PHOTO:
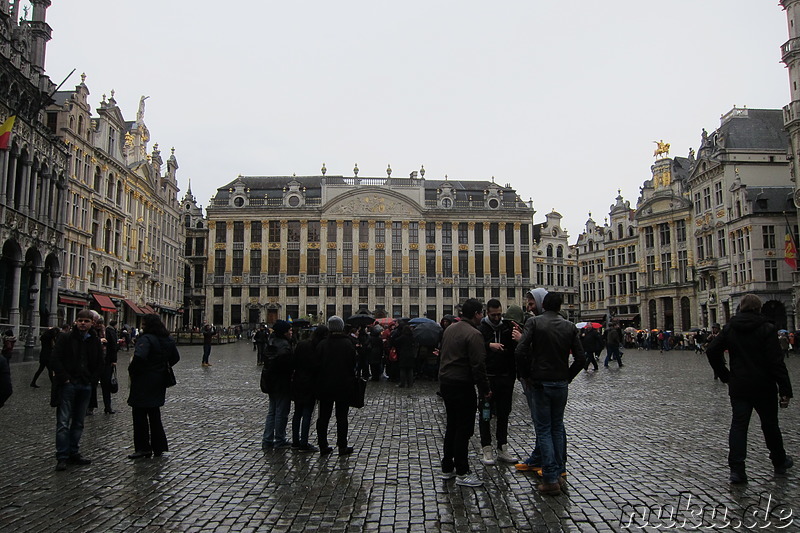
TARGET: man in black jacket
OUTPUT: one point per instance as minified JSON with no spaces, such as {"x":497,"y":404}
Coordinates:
{"x":500,"y":339}
{"x":757,"y":373}
{"x":76,"y":361}
{"x":543,"y":355}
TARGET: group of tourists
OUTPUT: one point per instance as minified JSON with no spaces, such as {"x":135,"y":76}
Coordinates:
{"x":79,"y":358}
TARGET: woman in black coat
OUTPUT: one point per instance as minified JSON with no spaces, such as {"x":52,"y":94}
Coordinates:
{"x":303,"y":393}
{"x":154,"y":353}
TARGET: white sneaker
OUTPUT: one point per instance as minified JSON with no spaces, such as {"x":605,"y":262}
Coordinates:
{"x":468,"y":480}
{"x":488,"y":456}
{"x":503,"y":455}
{"x":448,"y":475}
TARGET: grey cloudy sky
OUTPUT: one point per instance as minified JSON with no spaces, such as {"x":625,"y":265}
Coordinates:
{"x":562,"y":100}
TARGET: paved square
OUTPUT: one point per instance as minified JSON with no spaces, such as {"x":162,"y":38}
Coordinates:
{"x":652,"y":435}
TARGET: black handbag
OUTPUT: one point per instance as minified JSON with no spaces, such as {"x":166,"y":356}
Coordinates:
{"x":169,"y":377}
{"x":359,"y":390}
{"x":113,"y":382}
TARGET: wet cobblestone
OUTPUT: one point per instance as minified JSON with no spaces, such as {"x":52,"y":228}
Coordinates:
{"x":648,"y":435}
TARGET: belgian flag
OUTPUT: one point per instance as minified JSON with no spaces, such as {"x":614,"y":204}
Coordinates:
{"x":5,"y":132}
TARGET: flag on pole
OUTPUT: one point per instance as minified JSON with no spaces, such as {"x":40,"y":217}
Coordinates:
{"x":790,"y":249}
{"x":5,"y":132}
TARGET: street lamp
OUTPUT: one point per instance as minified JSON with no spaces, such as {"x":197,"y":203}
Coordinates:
{"x":30,"y":341}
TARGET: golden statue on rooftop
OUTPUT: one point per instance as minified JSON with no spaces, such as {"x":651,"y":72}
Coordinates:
{"x":662,"y":148}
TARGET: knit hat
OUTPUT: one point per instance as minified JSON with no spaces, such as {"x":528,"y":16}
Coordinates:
{"x":514,"y":312}
{"x":281,"y":326}
{"x":335,"y":324}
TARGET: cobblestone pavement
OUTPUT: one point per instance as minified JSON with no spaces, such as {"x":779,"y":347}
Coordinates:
{"x":651,"y":435}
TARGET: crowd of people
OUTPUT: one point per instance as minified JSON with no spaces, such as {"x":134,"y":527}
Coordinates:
{"x":477,"y":359}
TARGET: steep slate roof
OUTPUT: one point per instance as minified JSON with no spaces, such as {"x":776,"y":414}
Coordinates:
{"x":760,"y":129}
{"x":770,"y":199}
{"x":273,"y":185}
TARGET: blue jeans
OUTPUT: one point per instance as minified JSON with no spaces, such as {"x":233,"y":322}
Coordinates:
{"x":549,"y":402}
{"x":535,"y":457}
{"x":277,"y":419}
{"x":206,"y":352}
{"x":69,"y":419}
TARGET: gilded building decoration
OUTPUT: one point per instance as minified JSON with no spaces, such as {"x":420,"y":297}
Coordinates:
{"x":313,"y":246}
{"x":430,"y":247}
{"x":219,"y":245}
{"x":380,"y":246}
{"x":363,"y":245}
{"x":274,"y":246}
{"x":463,"y":247}
{"x":257,"y":246}
{"x":371,"y":204}
{"x":331,"y":246}
{"x":292,"y":279}
{"x":413,"y":246}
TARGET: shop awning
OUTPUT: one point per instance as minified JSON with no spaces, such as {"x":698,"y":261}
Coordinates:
{"x":592,"y":318}
{"x":167,"y":310}
{"x":135,"y":308}
{"x":627,"y":317}
{"x":71,"y":301}
{"x":105,"y":303}
{"x":148,"y":310}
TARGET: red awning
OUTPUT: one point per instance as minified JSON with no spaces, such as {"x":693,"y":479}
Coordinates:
{"x":135,"y":308}
{"x":72,"y":301}
{"x":105,"y":303}
{"x":149,"y":310}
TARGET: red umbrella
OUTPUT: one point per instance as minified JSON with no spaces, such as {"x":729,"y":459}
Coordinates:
{"x":595,"y":325}
{"x":386,"y":322}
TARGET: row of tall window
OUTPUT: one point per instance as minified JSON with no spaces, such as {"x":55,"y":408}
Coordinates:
{"x":703,"y":199}
{"x":450,"y":264}
{"x":346,"y":231}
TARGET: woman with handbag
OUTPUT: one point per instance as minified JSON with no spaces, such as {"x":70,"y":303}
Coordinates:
{"x":150,"y":373}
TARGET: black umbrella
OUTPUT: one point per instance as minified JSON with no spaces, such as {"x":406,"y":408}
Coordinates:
{"x":360,"y":320}
{"x":427,"y":333}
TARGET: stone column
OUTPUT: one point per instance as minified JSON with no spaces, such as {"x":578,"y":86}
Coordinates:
{"x":12,"y":177}
{"x":13,"y":314}
{"x":4,"y":157}
{"x":24,"y":191}
{"x":52,"y":320}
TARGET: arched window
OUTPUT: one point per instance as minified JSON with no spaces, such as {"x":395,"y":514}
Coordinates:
{"x":549,"y":250}
{"x":106,"y":276}
{"x":116,"y":279}
{"x":92,"y":272}
{"x":630,"y":231}
{"x":80,"y":125}
{"x":560,"y":251}
{"x":619,"y":231}
{"x":110,"y":187}
{"x":119,"y":193}
{"x":591,"y":246}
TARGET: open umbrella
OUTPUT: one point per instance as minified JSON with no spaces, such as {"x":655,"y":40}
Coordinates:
{"x":427,"y":333}
{"x":596,"y":325}
{"x":359,"y":320}
{"x":386,"y":322}
{"x":630,"y":329}
{"x":420,"y":320}
{"x":581,"y":325}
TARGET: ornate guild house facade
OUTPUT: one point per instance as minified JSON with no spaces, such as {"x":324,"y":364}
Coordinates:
{"x":315,"y":246}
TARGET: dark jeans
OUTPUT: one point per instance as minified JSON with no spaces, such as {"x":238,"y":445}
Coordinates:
{"x":262,"y":349}
{"x":591,"y":359}
{"x":206,"y":352}
{"x":148,"y":431}
{"x":767,"y":408}
{"x":38,"y":373}
{"x":277,"y":419}
{"x":406,"y":376}
{"x":613,"y":354}
{"x":324,"y":418}
{"x":105,"y":387}
{"x":375,"y":369}
{"x":550,"y":401}
{"x":502,"y":397}
{"x":301,"y":422}
{"x":69,"y":419}
{"x":461,"y":403}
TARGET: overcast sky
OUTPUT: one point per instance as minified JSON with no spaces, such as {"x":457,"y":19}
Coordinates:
{"x":562,"y":100}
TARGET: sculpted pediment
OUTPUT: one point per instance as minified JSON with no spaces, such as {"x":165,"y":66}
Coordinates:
{"x":372,"y":204}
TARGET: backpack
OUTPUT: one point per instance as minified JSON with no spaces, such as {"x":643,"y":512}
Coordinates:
{"x":270,"y":354}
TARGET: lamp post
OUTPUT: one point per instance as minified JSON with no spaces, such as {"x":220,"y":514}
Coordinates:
{"x":30,"y":341}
